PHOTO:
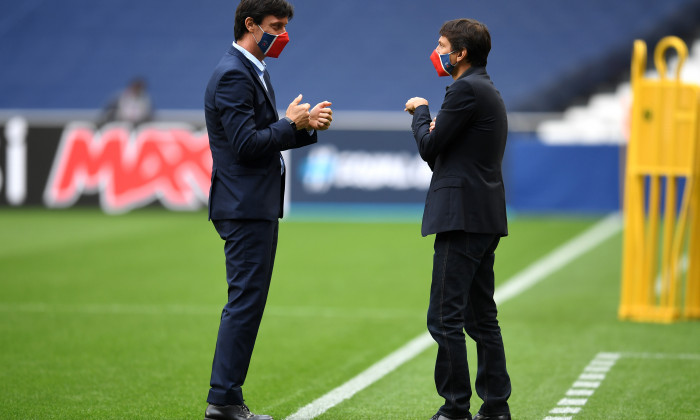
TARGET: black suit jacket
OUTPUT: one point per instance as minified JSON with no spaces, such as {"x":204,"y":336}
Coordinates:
{"x":465,"y":151}
{"x":246,"y":137}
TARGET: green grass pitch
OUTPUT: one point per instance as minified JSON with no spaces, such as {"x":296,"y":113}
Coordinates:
{"x":115,"y":317}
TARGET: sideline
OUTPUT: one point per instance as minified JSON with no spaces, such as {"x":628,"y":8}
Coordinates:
{"x":584,"y":387}
{"x":513,"y":287}
{"x":593,"y":375}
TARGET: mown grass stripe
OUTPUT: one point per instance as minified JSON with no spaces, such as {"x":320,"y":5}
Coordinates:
{"x":522,"y":281}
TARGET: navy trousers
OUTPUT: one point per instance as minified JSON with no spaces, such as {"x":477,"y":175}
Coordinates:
{"x":461,"y":299}
{"x":250,"y":256}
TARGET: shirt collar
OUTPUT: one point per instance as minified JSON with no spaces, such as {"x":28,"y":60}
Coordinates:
{"x":259,"y":65}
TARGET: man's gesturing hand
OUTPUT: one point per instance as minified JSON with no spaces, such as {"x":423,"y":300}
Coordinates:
{"x":321,"y":116}
{"x":299,"y":113}
{"x":414,"y":103}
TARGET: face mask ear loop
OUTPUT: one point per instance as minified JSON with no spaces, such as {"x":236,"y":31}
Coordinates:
{"x":256,"y":39}
{"x":451,"y":52}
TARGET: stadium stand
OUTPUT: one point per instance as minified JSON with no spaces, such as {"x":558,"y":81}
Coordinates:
{"x":604,"y":118}
{"x":61,"y":62}
{"x":75,"y":54}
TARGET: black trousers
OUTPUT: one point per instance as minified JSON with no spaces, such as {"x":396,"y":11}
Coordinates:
{"x":250,"y":256}
{"x":461,"y":299}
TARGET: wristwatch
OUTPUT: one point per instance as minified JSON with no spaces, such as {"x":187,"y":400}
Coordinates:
{"x":292,"y":123}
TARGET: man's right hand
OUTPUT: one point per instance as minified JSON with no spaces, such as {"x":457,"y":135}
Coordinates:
{"x":299,"y":113}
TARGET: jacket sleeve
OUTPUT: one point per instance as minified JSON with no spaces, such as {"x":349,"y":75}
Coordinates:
{"x":236,"y":104}
{"x":303,"y":138}
{"x":421,"y":131}
{"x":456,"y":113}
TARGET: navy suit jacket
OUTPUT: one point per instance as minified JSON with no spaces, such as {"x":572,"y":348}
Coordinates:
{"x":465,"y":151}
{"x":246,"y":137}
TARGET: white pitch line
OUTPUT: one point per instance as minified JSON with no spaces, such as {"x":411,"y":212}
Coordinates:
{"x":517,"y":284}
{"x":668,"y":356}
{"x":602,"y":362}
{"x":207,"y":310}
{"x":682,"y":269}
{"x":364,"y":379}
{"x":559,"y":257}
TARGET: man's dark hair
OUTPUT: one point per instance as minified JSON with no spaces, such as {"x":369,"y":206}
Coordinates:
{"x":258,"y":9}
{"x":470,"y":34}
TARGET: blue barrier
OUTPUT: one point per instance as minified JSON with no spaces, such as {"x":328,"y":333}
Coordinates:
{"x":384,"y":168}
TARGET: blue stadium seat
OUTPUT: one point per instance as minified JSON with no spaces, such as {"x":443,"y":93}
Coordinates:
{"x":364,"y":55}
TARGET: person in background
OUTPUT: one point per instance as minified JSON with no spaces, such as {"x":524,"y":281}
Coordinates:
{"x":246,"y":197}
{"x":465,"y":208}
{"x":132,"y":105}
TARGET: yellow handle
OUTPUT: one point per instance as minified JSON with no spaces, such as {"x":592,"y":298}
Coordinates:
{"x":639,"y":61}
{"x":661,"y":47}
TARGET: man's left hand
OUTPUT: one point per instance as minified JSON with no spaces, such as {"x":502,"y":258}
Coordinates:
{"x":321,"y":116}
{"x":414,"y":103}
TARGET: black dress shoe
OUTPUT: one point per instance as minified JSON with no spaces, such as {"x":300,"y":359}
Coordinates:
{"x":480,"y":416}
{"x":232,"y":412}
{"x":439,"y":416}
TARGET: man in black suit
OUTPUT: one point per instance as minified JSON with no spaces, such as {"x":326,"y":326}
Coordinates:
{"x":465,"y":208}
{"x":247,"y":186}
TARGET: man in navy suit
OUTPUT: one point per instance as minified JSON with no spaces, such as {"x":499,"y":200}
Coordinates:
{"x":246,"y":197}
{"x":465,"y":208}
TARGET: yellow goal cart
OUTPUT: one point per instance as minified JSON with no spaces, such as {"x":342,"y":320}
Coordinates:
{"x":661,"y":243}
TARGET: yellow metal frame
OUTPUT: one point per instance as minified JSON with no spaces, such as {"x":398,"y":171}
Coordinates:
{"x":662,"y":155}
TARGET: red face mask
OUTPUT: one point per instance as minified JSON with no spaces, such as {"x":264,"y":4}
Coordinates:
{"x":272,"y":45}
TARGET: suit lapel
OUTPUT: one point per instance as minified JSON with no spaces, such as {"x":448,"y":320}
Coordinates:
{"x":269,"y":93}
{"x":270,"y":90}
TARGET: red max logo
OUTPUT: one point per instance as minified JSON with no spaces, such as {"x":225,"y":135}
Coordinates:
{"x":129,"y":169}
